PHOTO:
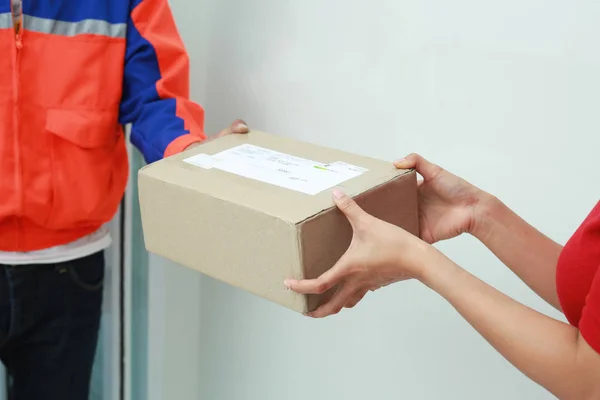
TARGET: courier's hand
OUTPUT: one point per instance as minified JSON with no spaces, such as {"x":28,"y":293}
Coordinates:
{"x":379,"y":254}
{"x":448,"y":205}
{"x":237,"y":127}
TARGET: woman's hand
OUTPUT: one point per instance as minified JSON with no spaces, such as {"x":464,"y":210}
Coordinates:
{"x":379,"y":254}
{"x":448,"y":205}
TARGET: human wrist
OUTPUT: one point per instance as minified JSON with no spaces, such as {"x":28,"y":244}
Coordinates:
{"x":424,"y":259}
{"x":438,"y":271}
{"x":485,"y":212}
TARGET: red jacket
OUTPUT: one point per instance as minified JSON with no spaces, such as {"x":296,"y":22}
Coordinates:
{"x":75,"y":71}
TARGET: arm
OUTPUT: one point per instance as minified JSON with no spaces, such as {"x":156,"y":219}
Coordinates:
{"x":551,"y":353}
{"x":156,"y":84}
{"x":556,"y":355}
{"x":449,"y":206}
{"x":527,"y":252}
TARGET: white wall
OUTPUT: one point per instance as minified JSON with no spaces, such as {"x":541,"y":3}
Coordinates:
{"x":503,"y":93}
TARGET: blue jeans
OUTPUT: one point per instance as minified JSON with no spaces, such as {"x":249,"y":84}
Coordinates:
{"x":49,"y":323}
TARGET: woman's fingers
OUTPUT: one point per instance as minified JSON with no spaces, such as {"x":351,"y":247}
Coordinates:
{"x":323,"y":283}
{"x":348,"y":206}
{"x":340,"y":274}
{"x":425,"y":168}
{"x":335,"y":305}
{"x":311,"y":286}
{"x":329,"y":279}
{"x":355,"y":299}
{"x":340,"y":270}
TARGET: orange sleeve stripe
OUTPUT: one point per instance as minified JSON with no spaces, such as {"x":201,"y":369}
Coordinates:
{"x":154,"y":20}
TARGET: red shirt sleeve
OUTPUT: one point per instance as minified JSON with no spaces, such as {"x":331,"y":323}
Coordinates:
{"x":589,"y":325}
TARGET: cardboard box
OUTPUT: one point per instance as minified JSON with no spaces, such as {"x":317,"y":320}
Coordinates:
{"x":252,"y":210}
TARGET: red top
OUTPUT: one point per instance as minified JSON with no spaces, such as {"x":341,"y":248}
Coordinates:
{"x":578,"y":279}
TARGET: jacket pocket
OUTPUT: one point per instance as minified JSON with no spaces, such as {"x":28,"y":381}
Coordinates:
{"x":87,"y":148}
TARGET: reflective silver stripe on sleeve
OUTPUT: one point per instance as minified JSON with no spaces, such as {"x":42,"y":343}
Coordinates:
{"x":6,"y":21}
{"x":85,"y":27}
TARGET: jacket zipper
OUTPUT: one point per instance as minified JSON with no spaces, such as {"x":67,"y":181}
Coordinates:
{"x":16,"y":7}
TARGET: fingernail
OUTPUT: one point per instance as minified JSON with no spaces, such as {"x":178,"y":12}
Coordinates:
{"x":288,"y":284}
{"x":400,"y":161}
{"x":338,"y":194}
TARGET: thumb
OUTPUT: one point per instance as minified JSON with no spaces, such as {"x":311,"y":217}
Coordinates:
{"x":425,"y":168}
{"x":348,"y":206}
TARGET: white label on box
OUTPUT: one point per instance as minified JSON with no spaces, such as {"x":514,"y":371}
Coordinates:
{"x":279,"y":169}
{"x":201,"y":160}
